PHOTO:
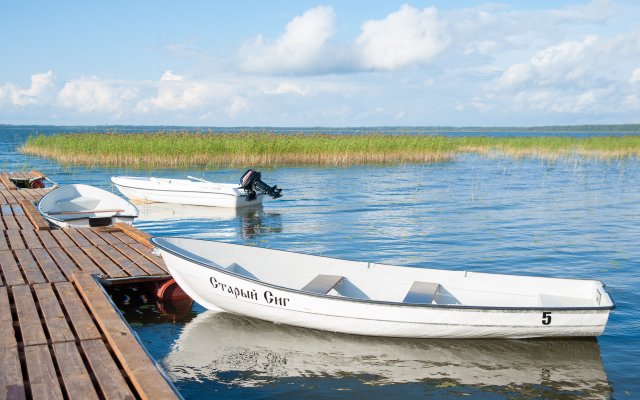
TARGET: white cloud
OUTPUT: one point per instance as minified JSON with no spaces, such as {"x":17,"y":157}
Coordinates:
{"x":597,"y":11}
{"x":301,"y":48}
{"x":635,"y":76}
{"x":564,"y":62}
{"x":178,"y":93}
{"x":288,"y":88}
{"x":403,"y":38}
{"x":40,"y":91}
{"x":406,"y":37}
{"x":175,"y":95}
{"x":238,"y":105}
{"x":90,"y":95}
{"x":170,"y":76}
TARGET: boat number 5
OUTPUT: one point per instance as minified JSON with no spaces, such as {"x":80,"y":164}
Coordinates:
{"x":546,"y":318}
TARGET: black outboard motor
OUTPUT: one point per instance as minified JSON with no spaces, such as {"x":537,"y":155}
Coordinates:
{"x":252,"y":185}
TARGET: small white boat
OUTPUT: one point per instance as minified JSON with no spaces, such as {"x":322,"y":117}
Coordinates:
{"x":195,"y":191}
{"x":83,"y":206}
{"x":382,"y":300}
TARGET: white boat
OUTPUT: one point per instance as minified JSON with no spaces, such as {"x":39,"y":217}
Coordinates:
{"x":382,"y":300}
{"x":216,"y":344}
{"x":195,"y":191}
{"x":82,"y":206}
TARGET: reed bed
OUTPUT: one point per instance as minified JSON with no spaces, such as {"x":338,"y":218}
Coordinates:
{"x":183,"y":150}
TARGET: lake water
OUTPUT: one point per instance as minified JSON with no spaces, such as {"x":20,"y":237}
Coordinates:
{"x":573,"y":218}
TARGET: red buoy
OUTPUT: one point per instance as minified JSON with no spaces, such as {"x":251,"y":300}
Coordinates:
{"x":170,"y":291}
{"x":37,"y":184}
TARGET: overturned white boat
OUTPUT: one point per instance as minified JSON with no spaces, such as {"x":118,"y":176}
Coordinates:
{"x":197,"y":192}
{"x":382,"y":300}
{"x":83,"y":206}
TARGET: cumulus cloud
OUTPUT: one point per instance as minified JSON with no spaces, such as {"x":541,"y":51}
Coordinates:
{"x":635,"y":76}
{"x":176,"y":93}
{"x":90,"y":95}
{"x":403,"y":38}
{"x":288,"y":88}
{"x":238,"y":105}
{"x":40,"y":91}
{"x":301,"y":48}
{"x":176,"y":96}
{"x":564,"y":62}
{"x":170,"y":76}
{"x":406,"y":37}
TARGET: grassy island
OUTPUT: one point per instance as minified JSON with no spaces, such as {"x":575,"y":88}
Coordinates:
{"x":178,"y":150}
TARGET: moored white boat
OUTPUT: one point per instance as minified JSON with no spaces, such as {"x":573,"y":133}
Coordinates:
{"x":382,"y":300}
{"x":84,"y":206}
{"x":197,"y":192}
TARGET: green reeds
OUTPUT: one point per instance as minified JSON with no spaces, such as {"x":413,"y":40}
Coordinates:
{"x":180,"y":150}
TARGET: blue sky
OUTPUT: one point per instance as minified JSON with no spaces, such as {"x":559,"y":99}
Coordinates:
{"x":309,"y":63}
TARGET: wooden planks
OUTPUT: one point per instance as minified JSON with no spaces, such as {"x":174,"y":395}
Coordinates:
{"x":54,"y":318}
{"x":11,"y":381}
{"x":76,"y":379}
{"x":136,"y":234}
{"x":7,"y":183}
{"x":54,"y":343}
{"x":43,"y":379}
{"x":79,"y":316}
{"x":109,"y":379}
{"x":33,"y":215}
{"x":30,"y":326}
{"x":10,"y":270}
{"x":142,"y":372}
{"x":29,"y":266}
{"x":7,"y":334}
{"x":48,"y":266}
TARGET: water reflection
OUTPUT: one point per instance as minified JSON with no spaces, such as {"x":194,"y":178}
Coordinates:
{"x":166,"y":211}
{"x":248,"y":222}
{"x":215,"y":344}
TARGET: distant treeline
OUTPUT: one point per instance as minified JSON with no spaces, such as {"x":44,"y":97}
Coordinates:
{"x":187,"y":149}
{"x":624,"y":128}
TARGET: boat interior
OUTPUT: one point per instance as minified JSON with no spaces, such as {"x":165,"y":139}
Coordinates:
{"x":378,"y":282}
{"x":74,"y":202}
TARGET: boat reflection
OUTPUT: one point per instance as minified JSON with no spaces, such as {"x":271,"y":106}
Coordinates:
{"x":166,"y":211}
{"x":183,"y":219}
{"x":215,"y":343}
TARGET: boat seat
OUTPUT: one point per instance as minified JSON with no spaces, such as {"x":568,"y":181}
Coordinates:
{"x":422,"y":293}
{"x":322,"y":283}
{"x":548,"y":300}
{"x":240,"y":270}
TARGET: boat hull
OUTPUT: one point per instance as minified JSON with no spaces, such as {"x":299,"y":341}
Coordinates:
{"x":200,"y":194}
{"x":89,"y":222}
{"x":217,"y":290}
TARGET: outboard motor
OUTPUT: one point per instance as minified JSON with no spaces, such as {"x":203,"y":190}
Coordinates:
{"x":252,"y":185}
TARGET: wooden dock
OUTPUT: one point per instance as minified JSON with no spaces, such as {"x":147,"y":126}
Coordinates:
{"x":61,"y":337}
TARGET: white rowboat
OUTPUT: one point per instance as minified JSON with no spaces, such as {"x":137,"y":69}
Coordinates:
{"x":382,"y":300}
{"x":83,"y":206}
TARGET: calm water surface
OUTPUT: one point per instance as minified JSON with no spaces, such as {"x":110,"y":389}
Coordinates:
{"x":570,"y":218}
